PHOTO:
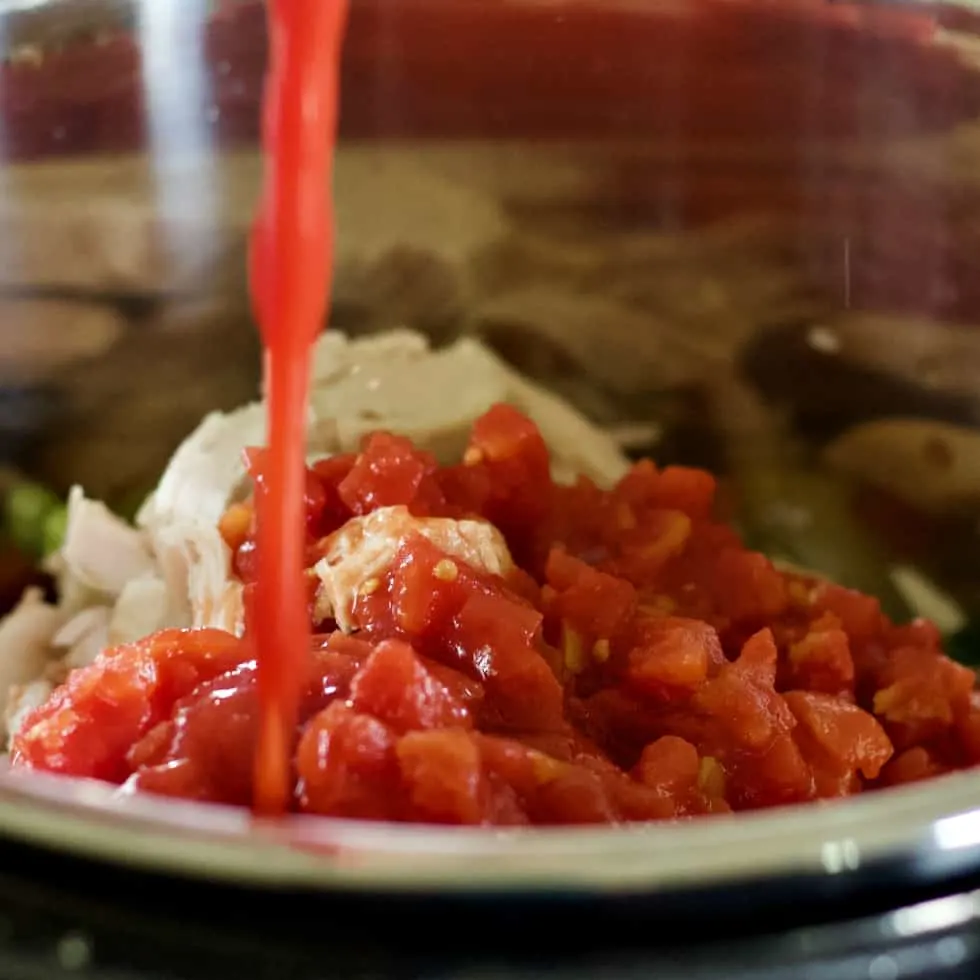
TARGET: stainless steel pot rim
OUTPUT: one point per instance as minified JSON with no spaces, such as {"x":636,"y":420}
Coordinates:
{"x":939,"y":819}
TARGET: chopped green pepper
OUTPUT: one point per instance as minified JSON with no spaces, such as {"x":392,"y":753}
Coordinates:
{"x":26,"y":510}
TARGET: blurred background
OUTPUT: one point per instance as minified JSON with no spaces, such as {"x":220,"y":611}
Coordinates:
{"x":741,"y":234}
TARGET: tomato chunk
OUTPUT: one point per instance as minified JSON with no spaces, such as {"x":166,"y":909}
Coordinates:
{"x":838,"y":738}
{"x":443,"y":775}
{"x":346,"y":766}
{"x":89,"y":724}
{"x":675,"y":655}
{"x":211,"y":743}
{"x":394,"y":686}
{"x":389,"y":471}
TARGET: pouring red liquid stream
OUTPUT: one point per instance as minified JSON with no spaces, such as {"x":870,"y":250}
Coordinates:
{"x":291,"y":258}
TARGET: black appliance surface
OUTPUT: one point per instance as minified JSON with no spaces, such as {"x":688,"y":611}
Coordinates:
{"x":64,"y":918}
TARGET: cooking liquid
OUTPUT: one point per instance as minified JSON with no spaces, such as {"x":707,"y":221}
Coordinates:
{"x":290,"y":263}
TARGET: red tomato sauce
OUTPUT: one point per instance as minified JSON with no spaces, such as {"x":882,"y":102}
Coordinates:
{"x":291,"y":259}
{"x":639,"y":663}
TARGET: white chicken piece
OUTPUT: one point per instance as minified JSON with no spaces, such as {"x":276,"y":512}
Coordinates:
{"x":200,"y":588}
{"x":363,"y":549}
{"x":336,"y":355}
{"x":205,"y":474}
{"x":79,"y":641}
{"x":24,"y":698}
{"x":396,"y":382}
{"x":206,"y":471}
{"x":26,"y":635}
{"x":140,"y":610}
{"x":101,"y":550}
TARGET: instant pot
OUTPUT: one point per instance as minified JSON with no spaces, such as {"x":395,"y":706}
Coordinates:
{"x":738,"y":234}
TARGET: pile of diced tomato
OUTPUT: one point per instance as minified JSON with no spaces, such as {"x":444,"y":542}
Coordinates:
{"x":641,"y":664}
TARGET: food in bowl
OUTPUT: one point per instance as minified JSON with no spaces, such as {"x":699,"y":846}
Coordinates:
{"x":512,"y":625}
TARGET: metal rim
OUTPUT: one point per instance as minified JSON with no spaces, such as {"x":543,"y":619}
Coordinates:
{"x":937,"y":819}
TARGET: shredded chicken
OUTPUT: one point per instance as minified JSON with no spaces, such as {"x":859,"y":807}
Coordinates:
{"x":141,"y":609}
{"x":206,"y":471}
{"x":79,"y":641}
{"x":102,"y":551}
{"x":173,"y":569}
{"x":24,"y":698}
{"x":394,"y":381}
{"x":26,"y":636}
{"x":363,"y":549}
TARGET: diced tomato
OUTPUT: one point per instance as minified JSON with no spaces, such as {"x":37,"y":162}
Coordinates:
{"x":670,"y":766}
{"x":152,"y":748}
{"x":574,"y":795}
{"x":748,"y":587}
{"x":517,"y":765}
{"x":918,"y":633}
{"x":821,"y":661}
{"x":686,"y":489}
{"x":675,"y":656}
{"x":776,"y":777}
{"x":334,"y":662}
{"x":638,"y":487}
{"x":638,"y":664}
{"x":494,"y":638}
{"x":212,"y":740}
{"x":911,"y":766}
{"x":920,"y":694}
{"x":679,"y":488}
{"x":418,"y":602}
{"x":513,"y":453}
{"x":504,"y":435}
{"x":860,"y":615}
{"x":466,"y":489}
{"x":443,"y":776}
{"x":388,"y":472}
{"x":347,"y":767}
{"x":968,"y":729}
{"x":660,"y":537}
{"x":332,"y":470}
{"x":89,"y":725}
{"x":394,"y":686}
{"x":839,"y":736}
{"x":592,"y":602}
{"x":245,"y":560}
{"x":742,"y":698}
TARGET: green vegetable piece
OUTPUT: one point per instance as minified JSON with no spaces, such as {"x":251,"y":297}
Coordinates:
{"x":26,"y":509}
